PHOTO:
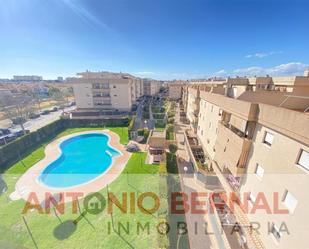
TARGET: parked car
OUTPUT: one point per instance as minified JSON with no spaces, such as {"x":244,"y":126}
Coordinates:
{"x":34,"y":115}
{"x":45,"y":112}
{"x":20,"y":133}
{"x":4,"y":132}
{"x":54,"y":109}
{"x":18,"y":120}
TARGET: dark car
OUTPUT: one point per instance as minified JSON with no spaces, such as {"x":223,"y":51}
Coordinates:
{"x":54,"y":109}
{"x":4,"y":132}
{"x":18,"y":120}
{"x":45,"y":112}
{"x":34,"y":115}
{"x":20,"y":133}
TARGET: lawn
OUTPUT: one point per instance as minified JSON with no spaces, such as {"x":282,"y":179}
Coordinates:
{"x":170,"y":135}
{"x":93,"y":231}
{"x":38,"y":154}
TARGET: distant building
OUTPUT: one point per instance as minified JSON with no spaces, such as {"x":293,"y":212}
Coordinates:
{"x":174,"y":90}
{"x":60,"y":78}
{"x":306,"y":73}
{"x":151,"y":87}
{"x":107,"y":92}
{"x":27,"y":78}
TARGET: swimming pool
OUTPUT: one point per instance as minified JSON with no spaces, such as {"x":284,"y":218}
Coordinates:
{"x":83,"y":158}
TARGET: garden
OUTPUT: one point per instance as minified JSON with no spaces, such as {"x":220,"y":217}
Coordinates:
{"x":103,"y":230}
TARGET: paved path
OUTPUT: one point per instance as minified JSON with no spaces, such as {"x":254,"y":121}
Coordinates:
{"x":43,"y":120}
{"x":197,"y":223}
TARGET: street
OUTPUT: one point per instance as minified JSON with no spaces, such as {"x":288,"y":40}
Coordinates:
{"x":43,"y":120}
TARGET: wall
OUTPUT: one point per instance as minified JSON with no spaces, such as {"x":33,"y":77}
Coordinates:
{"x":281,"y":173}
{"x":83,"y":95}
{"x":206,"y":134}
{"x":121,"y":96}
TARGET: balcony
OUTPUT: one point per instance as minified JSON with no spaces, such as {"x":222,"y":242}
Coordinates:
{"x":243,"y":109}
{"x":197,"y":155}
{"x":232,"y":149}
{"x":101,"y":96}
{"x":236,"y":214}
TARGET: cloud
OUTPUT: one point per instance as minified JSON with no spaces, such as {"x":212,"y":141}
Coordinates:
{"x":263,"y":54}
{"x":144,"y":73}
{"x":292,"y":68}
{"x":221,"y":72}
{"x":85,"y":14}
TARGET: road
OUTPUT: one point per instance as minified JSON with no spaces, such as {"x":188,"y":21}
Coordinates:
{"x":43,"y":120}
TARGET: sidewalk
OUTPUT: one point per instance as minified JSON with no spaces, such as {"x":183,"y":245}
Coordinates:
{"x":200,"y":231}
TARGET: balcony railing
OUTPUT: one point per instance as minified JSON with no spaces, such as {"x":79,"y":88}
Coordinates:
{"x":253,"y":240}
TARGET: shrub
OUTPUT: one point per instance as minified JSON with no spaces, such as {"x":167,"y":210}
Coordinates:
{"x":170,"y":120}
{"x":140,"y":132}
{"x":173,"y":148}
{"x":170,"y":128}
{"x":171,"y":163}
{"x":146,"y":133}
{"x":159,"y":124}
{"x":131,"y":124}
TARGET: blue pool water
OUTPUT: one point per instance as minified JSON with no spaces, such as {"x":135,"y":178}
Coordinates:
{"x":83,"y":158}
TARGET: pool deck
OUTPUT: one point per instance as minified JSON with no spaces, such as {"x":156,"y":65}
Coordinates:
{"x":28,"y":182}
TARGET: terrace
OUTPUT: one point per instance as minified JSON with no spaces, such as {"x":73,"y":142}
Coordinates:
{"x":196,"y":152}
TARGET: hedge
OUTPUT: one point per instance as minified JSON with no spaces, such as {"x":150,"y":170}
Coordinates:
{"x":19,"y":148}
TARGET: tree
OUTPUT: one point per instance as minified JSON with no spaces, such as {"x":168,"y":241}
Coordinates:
{"x":55,"y":93}
{"x":17,"y":106}
{"x":173,"y":148}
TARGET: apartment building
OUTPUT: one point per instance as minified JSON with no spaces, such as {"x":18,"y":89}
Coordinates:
{"x":104,"y":91}
{"x":150,"y":87}
{"x":111,"y":93}
{"x":27,"y":78}
{"x":254,"y":133}
{"x":175,"y":90}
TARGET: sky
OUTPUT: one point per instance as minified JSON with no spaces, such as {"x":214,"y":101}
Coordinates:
{"x":160,"y":39}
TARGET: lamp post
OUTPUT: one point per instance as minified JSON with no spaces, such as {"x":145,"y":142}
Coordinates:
{"x":180,"y":233}
{"x":185,"y":169}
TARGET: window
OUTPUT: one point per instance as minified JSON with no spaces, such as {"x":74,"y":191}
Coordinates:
{"x":268,"y":138}
{"x":105,"y":85}
{"x":202,"y":132}
{"x":114,"y":86}
{"x":212,"y":108}
{"x":275,"y":232}
{"x":259,"y":171}
{"x":209,"y":125}
{"x":303,"y":159}
{"x":290,"y":201}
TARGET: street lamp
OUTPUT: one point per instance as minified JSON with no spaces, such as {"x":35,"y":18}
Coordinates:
{"x":185,"y":169}
{"x":181,"y":232}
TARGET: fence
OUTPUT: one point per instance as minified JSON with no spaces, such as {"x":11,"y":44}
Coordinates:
{"x":19,"y":148}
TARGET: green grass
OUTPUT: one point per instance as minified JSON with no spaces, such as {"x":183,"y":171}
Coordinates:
{"x":157,"y":109}
{"x":159,"y":129}
{"x":170,"y":135}
{"x":136,"y":165}
{"x":38,"y":154}
{"x":160,"y":124}
{"x":92,"y":231}
{"x":158,"y":115}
